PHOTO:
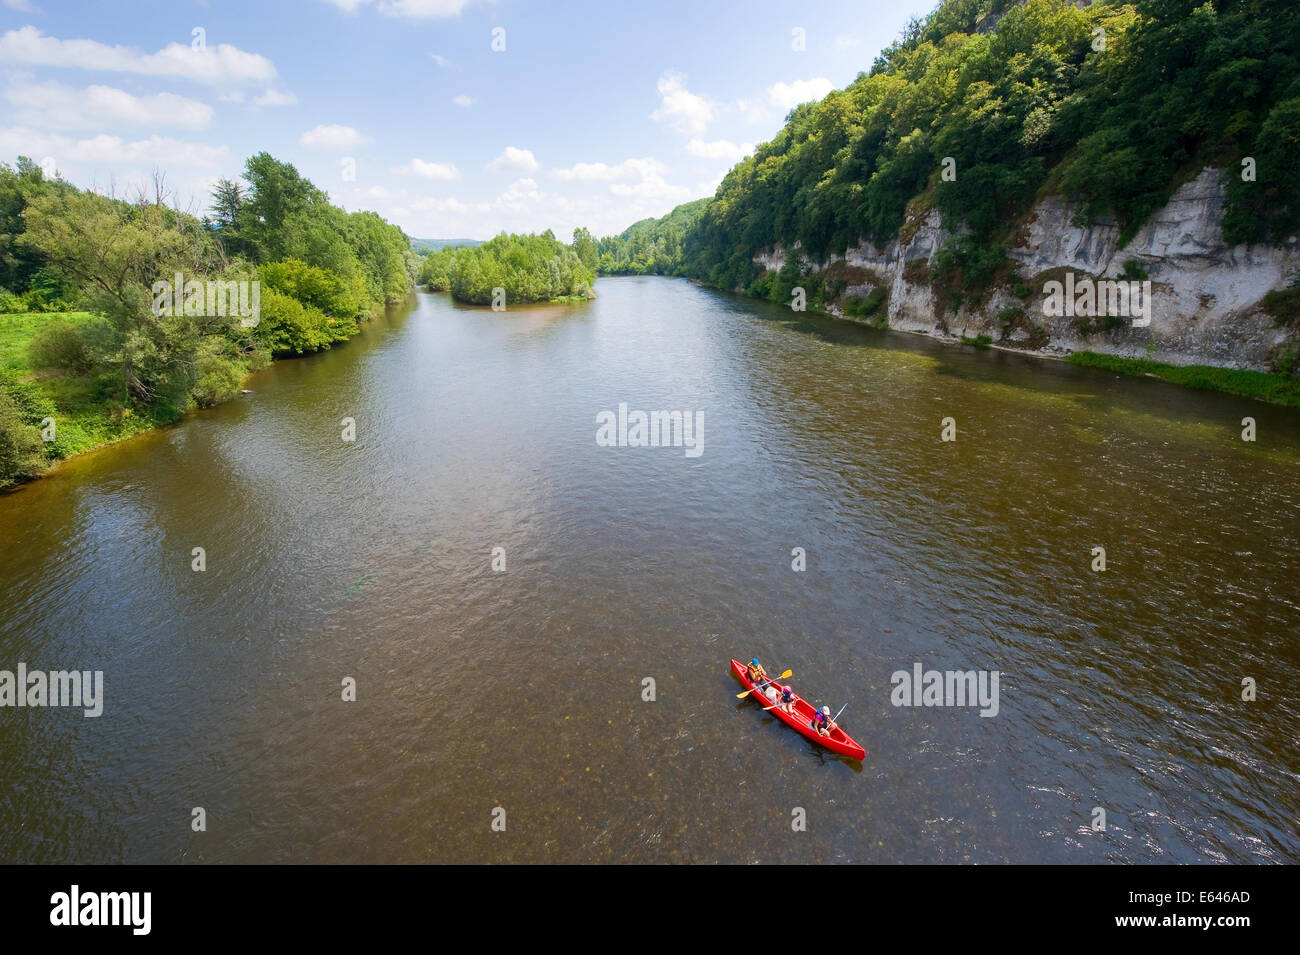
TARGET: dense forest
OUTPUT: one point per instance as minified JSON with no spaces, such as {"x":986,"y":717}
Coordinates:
{"x":528,"y":268}
{"x":651,"y":246}
{"x":90,"y":351}
{"x":1112,"y":106}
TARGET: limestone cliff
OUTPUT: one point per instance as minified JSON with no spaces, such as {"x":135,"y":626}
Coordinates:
{"x":1205,"y":295}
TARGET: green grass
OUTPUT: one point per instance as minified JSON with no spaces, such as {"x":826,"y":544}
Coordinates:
{"x":86,"y":416}
{"x":1275,"y":389}
{"x":17,"y":329}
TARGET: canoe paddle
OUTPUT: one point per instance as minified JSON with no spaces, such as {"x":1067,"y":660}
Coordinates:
{"x":784,"y":676}
{"x":837,"y":715}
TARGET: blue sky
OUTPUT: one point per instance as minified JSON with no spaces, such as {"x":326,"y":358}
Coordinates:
{"x":594,"y":114}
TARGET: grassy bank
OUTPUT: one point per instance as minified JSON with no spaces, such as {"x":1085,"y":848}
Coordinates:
{"x":1275,"y":389}
{"x":85,"y":416}
{"x":17,"y":329}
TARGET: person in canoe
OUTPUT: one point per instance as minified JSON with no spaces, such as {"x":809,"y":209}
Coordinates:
{"x":822,"y":722}
{"x":787,"y":699}
{"x":757,"y":674}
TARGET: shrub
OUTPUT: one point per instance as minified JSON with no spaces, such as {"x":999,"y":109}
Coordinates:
{"x":22,"y":453}
{"x":1133,"y":272}
{"x":287,"y":326}
{"x":219,"y":378}
{"x":60,"y":345}
{"x":1283,"y":305}
{"x":866,"y":306}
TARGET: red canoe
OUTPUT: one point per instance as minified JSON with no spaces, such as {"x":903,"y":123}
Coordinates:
{"x":801,"y":719}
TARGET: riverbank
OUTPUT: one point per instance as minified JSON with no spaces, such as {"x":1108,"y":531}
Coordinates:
{"x":1243,"y":383}
{"x":85,"y":416}
{"x":1268,"y":387}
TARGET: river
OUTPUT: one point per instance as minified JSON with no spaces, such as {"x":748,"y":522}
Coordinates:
{"x":516,"y":696}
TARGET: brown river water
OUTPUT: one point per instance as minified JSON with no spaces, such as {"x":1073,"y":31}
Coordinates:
{"x":518,"y":695}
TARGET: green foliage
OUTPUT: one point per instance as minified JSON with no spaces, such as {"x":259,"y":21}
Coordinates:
{"x":435,"y":270}
{"x":21,"y":449}
{"x":531,"y":268}
{"x":1268,"y":208}
{"x":1275,"y":389}
{"x":650,"y":246}
{"x":1022,"y":107}
{"x":1284,"y":306}
{"x":134,"y":361}
{"x":290,"y":327}
{"x":61,"y":345}
{"x":320,"y":288}
{"x":218,"y":377}
{"x":966,"y":266}
{"x":585,"y":247}
{"x":1093,"y":325}
{"x":868,"y":306}
{"x":1133,"y":272}
{"x":1286,"y":358}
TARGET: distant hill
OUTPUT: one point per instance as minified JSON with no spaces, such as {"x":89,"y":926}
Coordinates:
{"x":432,"y":245}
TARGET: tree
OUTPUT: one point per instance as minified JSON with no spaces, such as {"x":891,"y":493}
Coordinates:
{"x":585,"y":246}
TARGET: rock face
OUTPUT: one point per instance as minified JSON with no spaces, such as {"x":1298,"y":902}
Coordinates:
{"x":1204,"y":294}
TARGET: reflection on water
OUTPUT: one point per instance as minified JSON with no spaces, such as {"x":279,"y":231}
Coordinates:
{"x":524,"y":689}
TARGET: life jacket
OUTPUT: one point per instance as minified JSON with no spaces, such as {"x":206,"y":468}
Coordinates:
{"x":787,"y":697}
{"x":820,"y":718}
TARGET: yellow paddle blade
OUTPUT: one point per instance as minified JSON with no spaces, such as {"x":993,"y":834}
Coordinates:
{"x":784,"y":676}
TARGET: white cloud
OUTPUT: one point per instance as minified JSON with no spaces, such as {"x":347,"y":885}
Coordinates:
{"x":55,"y":106}
{"x":466,"y":101}
{"x":162,"y":151}
{"x":513,"y":158}
{"x":789,"y":95}
{"x":276,"y":98}
{"x":332,"y":137}
{"x":600,"y":172}
{"x":440,"y":171}
{"x":22,"y":6}
{"x":680,"y":108}
{"x":651,"y":187}
{"x":421,"y":9}
{"x":523,"y":207}
{"x":518,"y":194}
{"x":719,"y":149}
{"x":407,"y":9}
{"x":631,"y":178}
{"x":440,"y":60}
{"x":214,"y":65}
